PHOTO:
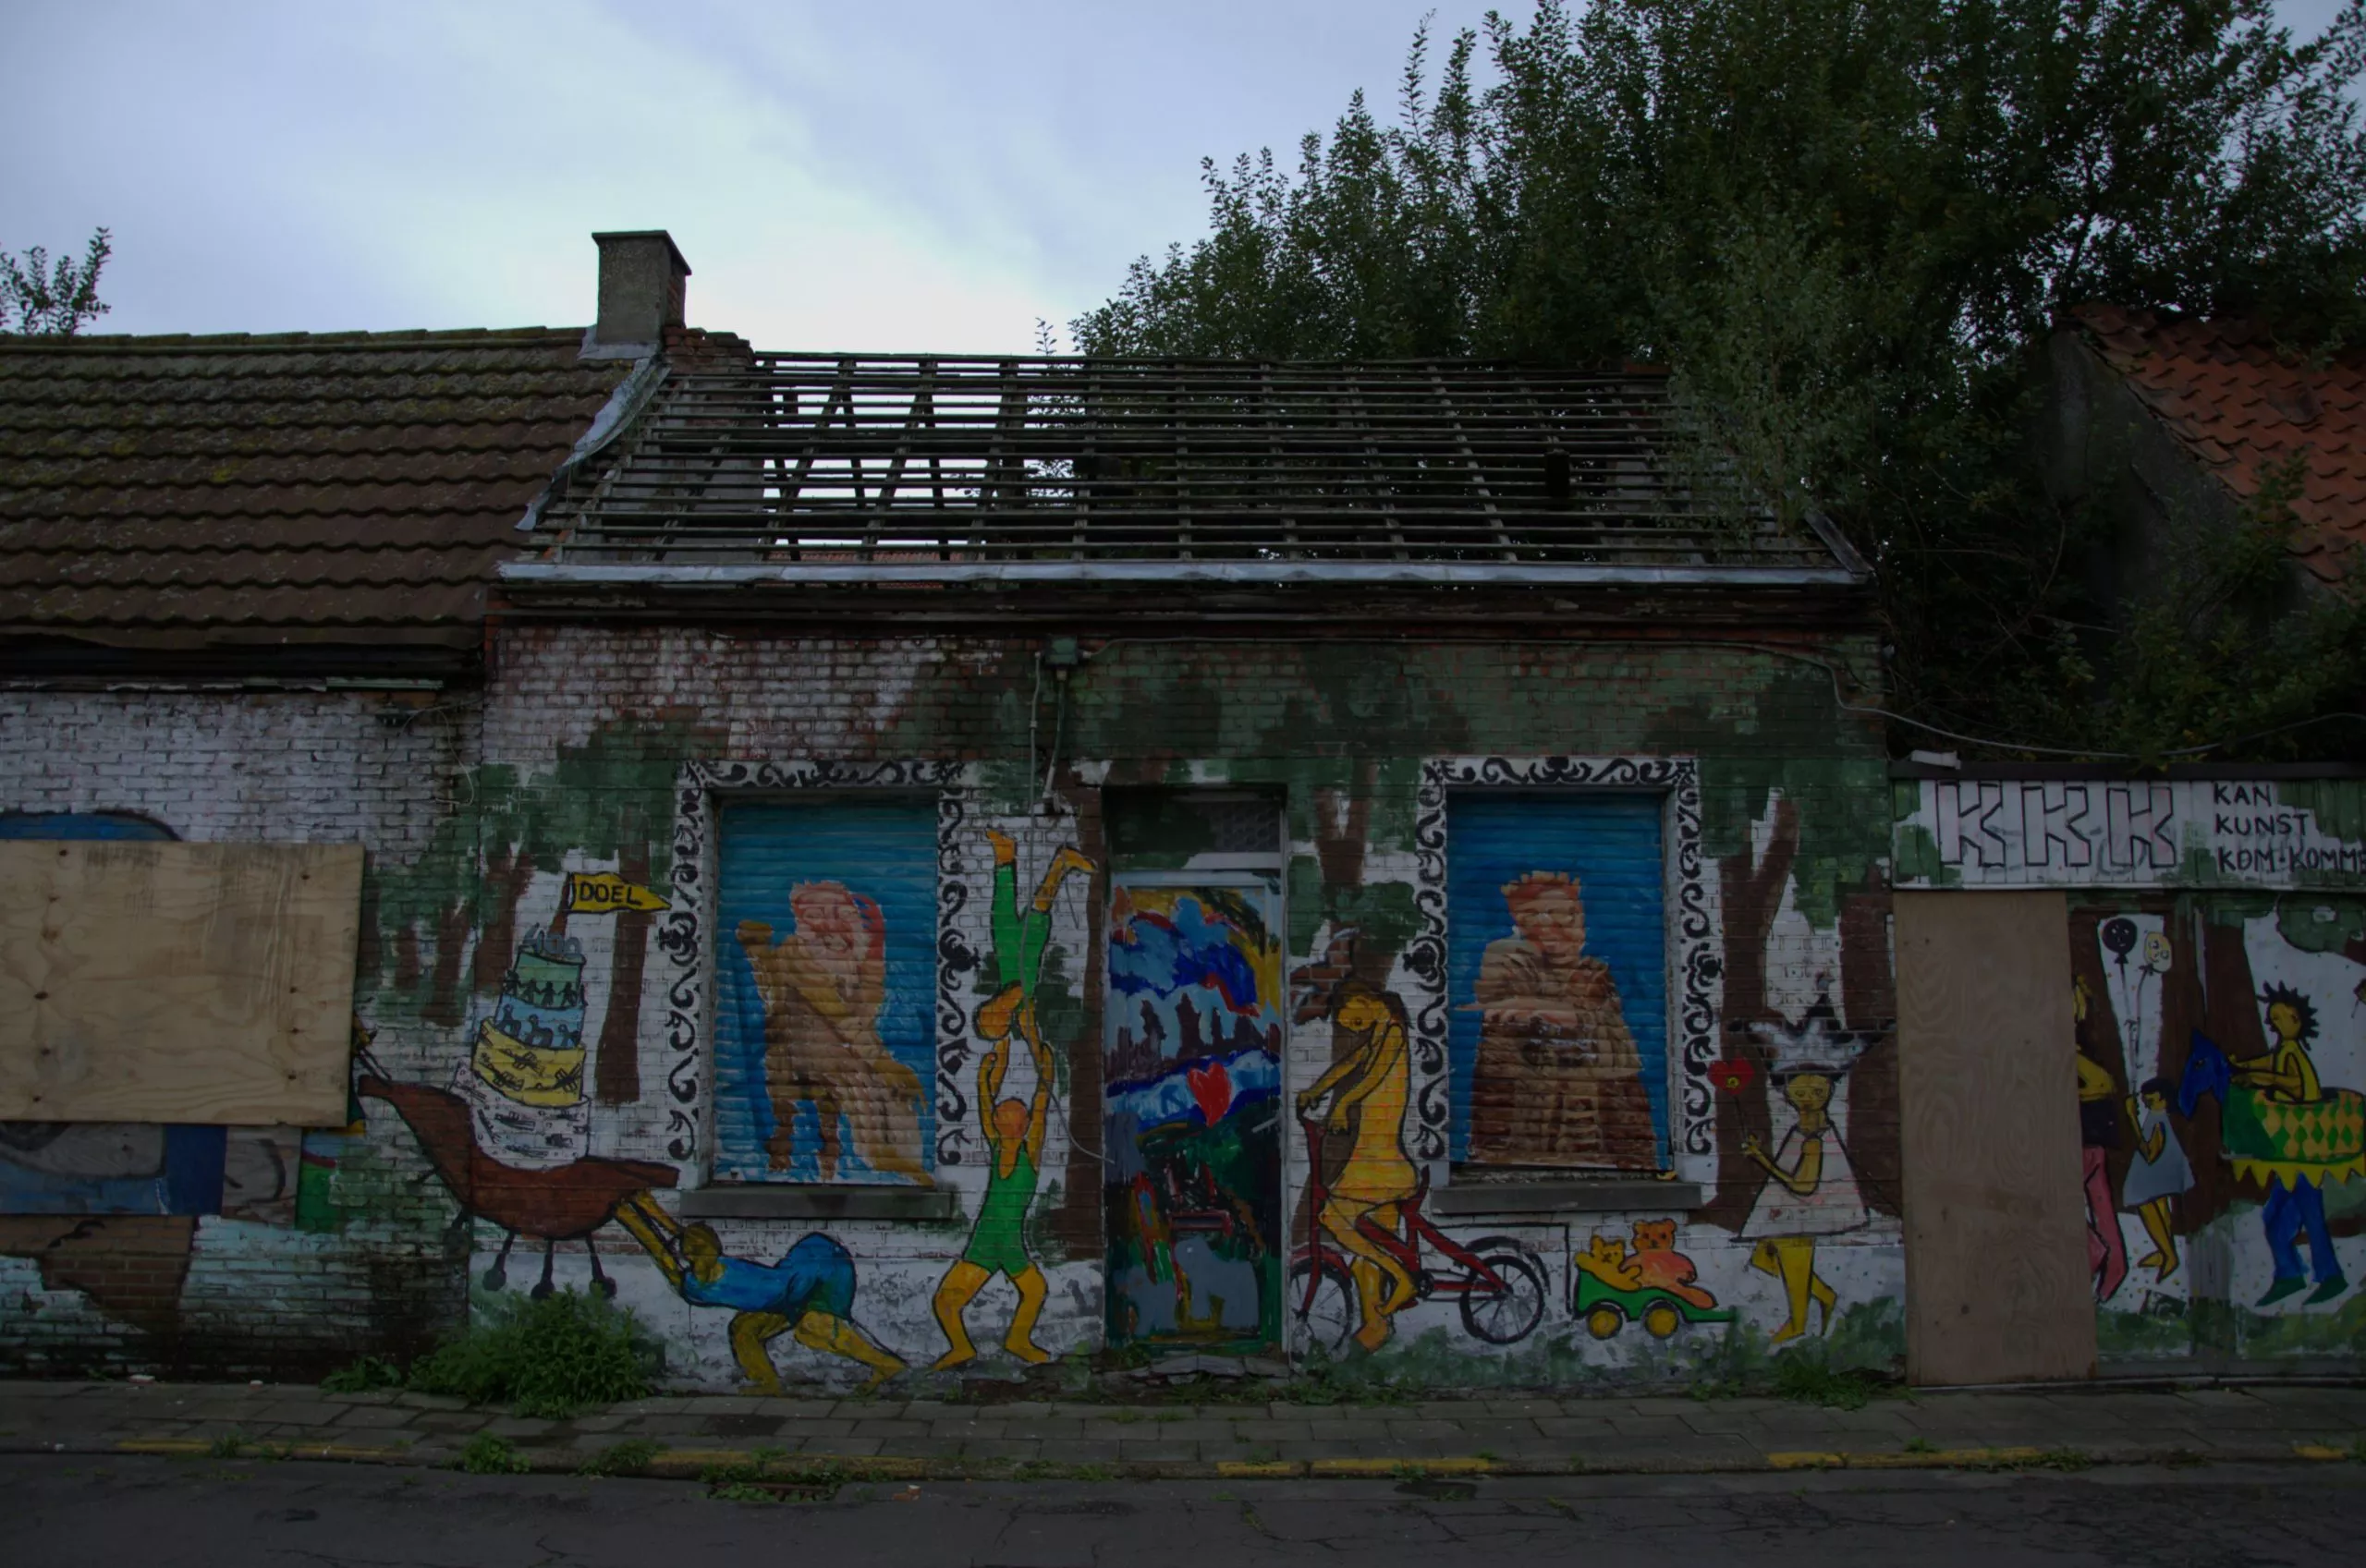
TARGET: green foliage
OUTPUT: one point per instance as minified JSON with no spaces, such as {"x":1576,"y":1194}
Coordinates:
{"x":1810,"y":1378}
{"x":630,"y":1457}
{"x":486,"y":1454}
{"x":59,"y":299}
{"x":362,"y":1376}
{"x":550,"y":1357}
{"x":229,"y":1445}
{"x":1848,"y":228}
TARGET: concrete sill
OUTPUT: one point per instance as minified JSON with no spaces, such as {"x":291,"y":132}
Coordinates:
{"x":785,"y":1202}
{"x":1554,"y":1197}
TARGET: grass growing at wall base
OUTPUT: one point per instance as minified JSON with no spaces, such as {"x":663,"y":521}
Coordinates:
{"x":550,"y":1357}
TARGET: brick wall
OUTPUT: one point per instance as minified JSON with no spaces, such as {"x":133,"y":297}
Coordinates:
{"x":204,"y":1292}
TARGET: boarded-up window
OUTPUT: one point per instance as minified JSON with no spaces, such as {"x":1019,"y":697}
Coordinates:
{"x":825,"y":965}
{"x":1558,"y":982}
{"x":177,"y":982}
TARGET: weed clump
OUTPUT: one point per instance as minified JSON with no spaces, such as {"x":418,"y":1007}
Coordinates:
{"x":630,"y":1457}
{"x":370,"y":1373}
{"x":1811,"y":1381}
{"x":488,"y":1455}
{"x":550,"y":1357}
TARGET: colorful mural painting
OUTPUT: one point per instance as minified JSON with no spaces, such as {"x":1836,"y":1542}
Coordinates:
{"x":1192,"y":1187}
{"x":1811,"y":1189}
{"x":809,"y":1294}
{"x":1640,"y":1279}
{"x":824,"y":1026}
{"x":1559,"y":975}
{"x":2221,"y":1051}
{"x":1365,"y":1261}
{"x":1014,"y":1130}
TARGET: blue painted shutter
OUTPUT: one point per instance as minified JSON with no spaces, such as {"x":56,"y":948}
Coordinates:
{"x":884,"y":851}
{"x":1611,"y":845}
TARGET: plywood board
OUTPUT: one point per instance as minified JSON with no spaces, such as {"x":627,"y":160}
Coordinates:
{"x":177,"y":982}
{"x":1997,"y":1282}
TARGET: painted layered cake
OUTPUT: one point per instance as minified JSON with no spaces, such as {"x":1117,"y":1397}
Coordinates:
{"x":524,"y":1077}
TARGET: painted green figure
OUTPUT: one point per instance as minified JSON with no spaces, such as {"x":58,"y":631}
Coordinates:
{"x":1014,"y":1129}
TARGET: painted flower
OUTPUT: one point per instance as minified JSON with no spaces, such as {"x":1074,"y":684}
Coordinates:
{"x":1732,"y":1074}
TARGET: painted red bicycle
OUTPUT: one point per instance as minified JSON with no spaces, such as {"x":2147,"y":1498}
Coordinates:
{"x":1497,"y":1279}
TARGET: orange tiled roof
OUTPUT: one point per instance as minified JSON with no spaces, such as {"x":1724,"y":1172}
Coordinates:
{"x":2241,"y":406}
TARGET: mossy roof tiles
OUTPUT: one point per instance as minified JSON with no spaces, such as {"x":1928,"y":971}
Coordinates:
{"x":286,"y":488}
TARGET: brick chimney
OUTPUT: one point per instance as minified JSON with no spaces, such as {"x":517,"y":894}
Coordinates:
{"x":641,"y":279}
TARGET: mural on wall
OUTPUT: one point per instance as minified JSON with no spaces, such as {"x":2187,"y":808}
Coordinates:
{"x":1365,"y":1261}
{"x":1806,"y":1108}
{"x":1559,"y":971}
{"x":1361,"y":1102}
{"x":1640,"y":1278}
{"x":511,"y":1139}
{"x":809,"y":1294}
{"x":1013,"y":1129}
{"x":2281,"y":1127}
{"x":1810,"y":1191}
{"x":824,"y":1032}
{"x":2221,"y":1053}
{"x":2153,"y":832}
{"x":1192,"y":1184}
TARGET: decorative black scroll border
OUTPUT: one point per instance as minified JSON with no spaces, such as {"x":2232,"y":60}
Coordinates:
{"x":1693,"y":958}
{"x":684,"y":940}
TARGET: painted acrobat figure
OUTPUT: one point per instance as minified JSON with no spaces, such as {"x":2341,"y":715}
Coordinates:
{"x":808,"y":1293}
{"x":1014,"y":1130}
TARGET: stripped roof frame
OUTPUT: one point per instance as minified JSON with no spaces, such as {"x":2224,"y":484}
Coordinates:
{"x":808,"y":469}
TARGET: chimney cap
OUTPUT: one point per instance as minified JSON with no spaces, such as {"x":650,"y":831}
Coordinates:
{"x":602,"y":238}
{"x":642,"y":288}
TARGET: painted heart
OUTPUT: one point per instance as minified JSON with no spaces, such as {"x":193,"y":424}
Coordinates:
{"x":1212,"y":1087}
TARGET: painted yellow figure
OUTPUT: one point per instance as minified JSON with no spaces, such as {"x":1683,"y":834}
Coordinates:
{"x":1014,"y":1130}
{"x":1812,"y":1193}
{"x":1369,"y":1091}
{"x":808,"y":1293}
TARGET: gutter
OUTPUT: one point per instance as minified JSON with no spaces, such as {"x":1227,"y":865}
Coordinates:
{"x":565,"y":575}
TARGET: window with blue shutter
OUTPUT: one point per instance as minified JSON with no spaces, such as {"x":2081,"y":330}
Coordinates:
{"x":825,"y":982}
{"x":1558,"y":979}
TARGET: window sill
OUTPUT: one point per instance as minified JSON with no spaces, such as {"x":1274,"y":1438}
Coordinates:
{"x":1605,"y":1196}
{"x":757,"y":1201}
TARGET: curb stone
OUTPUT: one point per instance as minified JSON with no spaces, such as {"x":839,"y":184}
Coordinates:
{"x":690,"y":1463}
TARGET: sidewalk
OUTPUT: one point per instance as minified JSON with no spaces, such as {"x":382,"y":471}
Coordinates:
{"x":2058,"y":1429}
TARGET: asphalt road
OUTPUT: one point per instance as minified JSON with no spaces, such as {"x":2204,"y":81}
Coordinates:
{"x":77,"y":1512}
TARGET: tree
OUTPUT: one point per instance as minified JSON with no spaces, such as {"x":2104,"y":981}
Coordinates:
{"x":1848,"y":227}
{"x":54,"y":300}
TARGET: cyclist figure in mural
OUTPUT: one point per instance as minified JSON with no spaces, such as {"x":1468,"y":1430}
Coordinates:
{"x":1558,"y":1080}
{"x":1369,"y":1091}
{"x":1014,"y":1129}
{"x":823,"y":986}
{"x":808,"y":1293}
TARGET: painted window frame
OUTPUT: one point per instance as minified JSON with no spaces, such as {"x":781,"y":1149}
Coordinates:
{"x":1689,"y":950}
{"x":685,"y":937}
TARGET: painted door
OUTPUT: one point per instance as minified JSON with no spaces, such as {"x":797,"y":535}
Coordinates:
{"x":1193,"y":1068}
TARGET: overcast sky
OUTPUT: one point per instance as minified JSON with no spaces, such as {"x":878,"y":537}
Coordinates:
{"x":925,"y":174}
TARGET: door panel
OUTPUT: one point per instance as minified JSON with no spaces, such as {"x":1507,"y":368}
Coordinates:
{"x":1996,"y":1279}
{"x":1193,"y":1060}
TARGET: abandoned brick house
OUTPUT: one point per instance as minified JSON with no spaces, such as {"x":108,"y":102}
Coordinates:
{"x":911,"y":868}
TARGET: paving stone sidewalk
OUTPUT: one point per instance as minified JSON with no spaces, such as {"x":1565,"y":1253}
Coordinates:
{"x":1513,"y":1436}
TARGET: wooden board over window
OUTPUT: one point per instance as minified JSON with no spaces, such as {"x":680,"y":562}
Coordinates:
{"x":177,"y":982}
{"x":1997,"y":1282}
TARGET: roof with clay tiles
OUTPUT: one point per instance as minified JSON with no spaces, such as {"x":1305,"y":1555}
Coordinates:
{"x":2242,"y":404}
{"x":347,"y":488}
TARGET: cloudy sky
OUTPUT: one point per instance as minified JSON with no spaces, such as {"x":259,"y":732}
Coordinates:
{"x":928,"y":173}
{"x":898,"y":174}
